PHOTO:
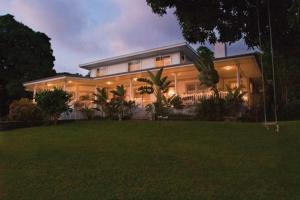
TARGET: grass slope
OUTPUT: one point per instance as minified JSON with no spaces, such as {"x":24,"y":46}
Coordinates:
{"x":150,"y":160}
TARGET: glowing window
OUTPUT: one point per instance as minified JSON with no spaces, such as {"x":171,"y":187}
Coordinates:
{"x":163,"y":61}
{"x":134,"y":65}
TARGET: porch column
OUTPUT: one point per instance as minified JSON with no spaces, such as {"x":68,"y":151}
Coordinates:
{"x":175,"y":82}
{"x":238,"y":75}
{"x":64,"y":86}
{"x":130,"y":90}
{"x":76,"y":93}
{"x":34,"y":93}
{"x":95,"y":98}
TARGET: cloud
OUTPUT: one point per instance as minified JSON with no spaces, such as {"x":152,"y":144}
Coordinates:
{"x":84,"y":31}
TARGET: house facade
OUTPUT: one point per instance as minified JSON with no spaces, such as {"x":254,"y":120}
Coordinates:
{"x":178,"y":62}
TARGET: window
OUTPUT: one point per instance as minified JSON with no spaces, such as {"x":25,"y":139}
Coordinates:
{"x":163,"y":61}
{"x":191,"y":88}
{"x":101,"y":71}
{"x":134,"y":65}
{"x":182,"y":58}
{"x":194,"y":87}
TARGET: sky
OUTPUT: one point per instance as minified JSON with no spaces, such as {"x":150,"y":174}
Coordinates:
{"x":86,"y":30}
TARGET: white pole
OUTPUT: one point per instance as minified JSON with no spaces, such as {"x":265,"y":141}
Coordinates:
{"x":262,"y":66}
{"x":34,"y":93}
{"x":130,"y":90}
{"x":175,"y":82}
{"x":238,"y":76}
{"x":273,"y":69}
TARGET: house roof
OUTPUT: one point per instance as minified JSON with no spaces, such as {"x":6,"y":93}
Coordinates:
{"x":181,"y":47}
{"x":55,"y":78}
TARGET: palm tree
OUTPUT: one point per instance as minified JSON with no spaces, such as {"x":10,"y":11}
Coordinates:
{"x":118,"y":101}
{"x":234,"y":101}
{"x":156,"y":84}
{"x":101,"y":99}
{"x":119,"y":93}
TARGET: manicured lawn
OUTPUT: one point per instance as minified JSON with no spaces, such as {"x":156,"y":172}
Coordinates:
{"x":150,"y":160}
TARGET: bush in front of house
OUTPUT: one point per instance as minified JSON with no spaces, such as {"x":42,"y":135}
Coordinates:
{"x":53,"y":103}
{"x":116,"y":108}
{"x":211,"y":108}
{"x":214,"y":108}
{"x":24,"y":110}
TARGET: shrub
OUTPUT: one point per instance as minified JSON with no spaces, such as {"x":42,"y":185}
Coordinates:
{"x":24,"y":110}
{"x":234,"y":102}
{"x":211,"y":108}
{"x":88,"y":113}
{"x":53,"y":103}
{"x":174,"y":101}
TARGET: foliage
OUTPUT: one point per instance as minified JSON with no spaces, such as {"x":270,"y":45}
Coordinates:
{"x":25,"y":55}
{"x":24,"y":110}
{"x":174,"y":101}
{"x":101,"y":100}
{"x":158,"y":86}
{"x":88,"y":112}
{"x":215,"y":108}
{"x":53,"y":103}
{"x":230,"y":21}
{"x":233,"y":101}
{"x":208,"y":75}
{"x":211,"y":108}
{"x":117,"y":107}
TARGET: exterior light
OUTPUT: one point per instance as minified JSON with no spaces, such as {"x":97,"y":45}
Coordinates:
{"x":108,"y":82}
{"x":70,"y":82}
{"x":49,"y":84}
{"x":135,"y":79}
{"x":171,"y":92}
{"x":228,"y":67}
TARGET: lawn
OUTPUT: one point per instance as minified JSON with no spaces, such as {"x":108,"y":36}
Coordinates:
{"x":150,"y":160}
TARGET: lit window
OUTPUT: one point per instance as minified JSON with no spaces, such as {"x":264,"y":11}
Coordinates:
{"x":191,"y":88}
{"x":163,"y":61}
{"x":195,"y":87}
{"x":134,"y":65}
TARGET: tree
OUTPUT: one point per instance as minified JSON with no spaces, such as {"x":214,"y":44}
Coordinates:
{"x":118,"y":102}
{"x":230,"y":21}
{"x":156,"y":85}
{"x":24,"y":110}
{"x":208,"y":75}
{"x":101,"y":100}
{"x":25,"y":55}
{"x":53,"y":103}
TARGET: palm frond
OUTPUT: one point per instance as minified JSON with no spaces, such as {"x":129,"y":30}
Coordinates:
{"x":145,"y":90}
{"x":145,"y":80}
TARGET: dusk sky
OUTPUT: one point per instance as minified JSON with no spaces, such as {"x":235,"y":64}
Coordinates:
{"x":83,"y":31}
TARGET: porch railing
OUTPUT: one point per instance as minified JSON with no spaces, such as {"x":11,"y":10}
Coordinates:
{"x":193,"y":98}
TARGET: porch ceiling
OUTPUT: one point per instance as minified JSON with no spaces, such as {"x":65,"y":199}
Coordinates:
{"x":248,"y":67}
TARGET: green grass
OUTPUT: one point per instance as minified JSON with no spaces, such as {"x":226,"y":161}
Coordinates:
{"x":150,"y":160}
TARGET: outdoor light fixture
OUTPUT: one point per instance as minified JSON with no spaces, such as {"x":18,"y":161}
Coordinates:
{"x":108,"y":82}
{"x":49,"y":84}
{"x":70,"y":82}
{"x":228,"y":67}
{"x":135,"y":79}
{"x":171,"y":92}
